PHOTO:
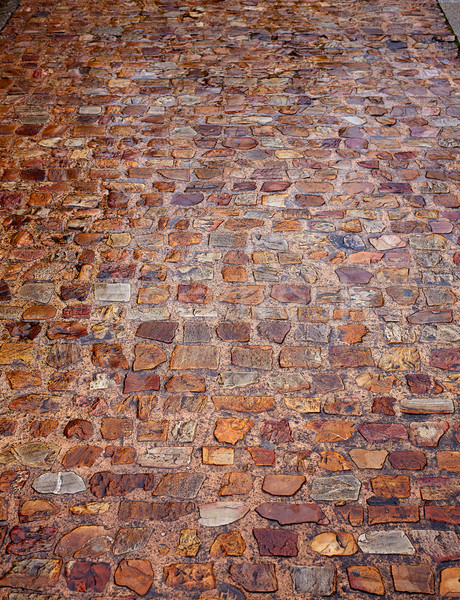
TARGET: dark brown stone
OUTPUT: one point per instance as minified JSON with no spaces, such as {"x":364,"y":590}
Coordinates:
{"x":84,"y":576}
{"x":106,"y":483}
{"x":288,"y":514}
{"x":109,"y":356}
{"x":31,"y":539}
{"x":276,"y":542}
{"x":412,"y":460}
{"x":155,"y":511}
{"x":160,"y":331}
{"x":141,"y":382}
{"x":421,"y":383}
{"x":79,"y":428}
{"x":234,"y":332}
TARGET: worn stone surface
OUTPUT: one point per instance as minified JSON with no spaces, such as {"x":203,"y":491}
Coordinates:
{"x":229,"y":297}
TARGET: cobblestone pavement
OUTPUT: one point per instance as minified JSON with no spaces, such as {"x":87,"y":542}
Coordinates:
{"x":230,"y":357}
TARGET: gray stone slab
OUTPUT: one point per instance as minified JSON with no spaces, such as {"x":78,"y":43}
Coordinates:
{"x":451,"y":9}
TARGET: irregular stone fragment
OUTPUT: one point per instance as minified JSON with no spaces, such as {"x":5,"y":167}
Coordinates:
{"x":113,"y":428}
{"x":79,"y":538}
{"x":317,"y":581}
{"x":109,"y":356}
{"x":334,"y":544}
{"x":273,"y":331}
{"x":152,"y":431}
{"x":391,"y":486}
{"x":135,"y":574}
{"x":368,"y":459}
{"x":31,"y":539}
{"x":332,"y":431}
{"x":391,"y":513}
{"x":427,"y":433}
{"x":191,"y":576}
{"x":141,"y":382}
{"x":189,"y":543}
{"x":288,"y":514}
{"x":298,"y":294}
{"x":216,"y":514}
{"x":252,"y":357}
{"x":154,"y":511}
{"x":408,"y":460}
{"x":447,"y":359}
{"x":250,"y":404}
{"x":366,"y":579}
{"x":130,"y":539}
{"x":195,"y":357}
{"x":416,"y":579}
{"x":167,"y":457}
{"x":79,"y":428}
{"x":236,"y":483}
{"x":308,"y":357}
{"x":282,"y":485}
{"x":385,"y":542}
{"x":228,"y":544}
{"x":335,"y":487}
{"x":352,"y":333}
{"x":148,"y":356}
{"x":450,"y":582}
{"x":400,"y":359}
{"x":276,"y":542}
{"x":32,"y":574}
{"x":346,"y":357}
{"x":379,"y":384}
{"x":36,"y":510}
{"x":36,"y":454}
{"x":442,"y":546}
{"x":81,"y":456}
{"x":17,"y":352}
{"x":383,"y":432}
{"x":112,"y":292}
{"x":161,"y":331}
{"x":232,"y":430}
{"x":255,"y":577}
{"x":106,"y":483}
{"x":180,"y":485}
{"x":62,"y":355}
{"x":84,"y":576}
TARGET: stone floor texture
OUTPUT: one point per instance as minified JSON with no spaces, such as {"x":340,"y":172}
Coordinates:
{"x":230,"y":357}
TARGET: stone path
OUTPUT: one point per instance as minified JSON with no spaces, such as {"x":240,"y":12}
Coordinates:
{"x":230,"y":357}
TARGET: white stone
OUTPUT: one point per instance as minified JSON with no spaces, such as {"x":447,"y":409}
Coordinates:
{"x":66,"y":482}
{"x":112,"y":292}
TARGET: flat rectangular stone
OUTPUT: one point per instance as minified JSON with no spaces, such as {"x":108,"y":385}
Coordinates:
{"x":426,"y":406}
{"x":166,"y":457}
{"x":112,"y":292}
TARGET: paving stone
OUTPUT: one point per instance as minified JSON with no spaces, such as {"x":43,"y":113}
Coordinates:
{"x":416,"y":579}
{"x":366,"y":578}
{"x":135,"y":574}
{"x":385,"y":542}
{"x":255,"y":577}
{"x":335,"y":487}
{"x":320,"y":581}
